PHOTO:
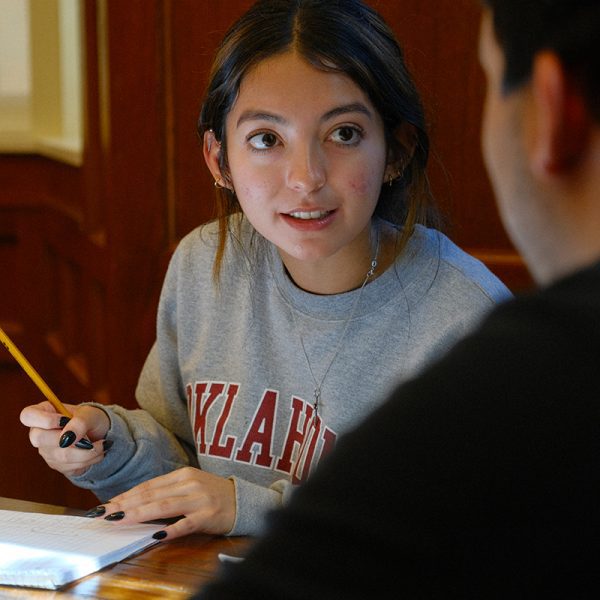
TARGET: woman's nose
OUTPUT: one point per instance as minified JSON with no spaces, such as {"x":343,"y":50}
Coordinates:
{"x":306,"y":169}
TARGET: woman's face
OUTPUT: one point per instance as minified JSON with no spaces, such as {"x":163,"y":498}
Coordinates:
{"x":307,"y":157}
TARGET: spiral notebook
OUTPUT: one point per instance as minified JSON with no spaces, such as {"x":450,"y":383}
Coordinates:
{"x":49,"y":551}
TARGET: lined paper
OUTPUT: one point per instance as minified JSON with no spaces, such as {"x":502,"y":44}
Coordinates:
{"x":41,"y":550}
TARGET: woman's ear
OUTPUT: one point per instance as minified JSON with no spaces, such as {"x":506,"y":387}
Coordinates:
{"x":401,"y":152}
{"x":211,"y":149}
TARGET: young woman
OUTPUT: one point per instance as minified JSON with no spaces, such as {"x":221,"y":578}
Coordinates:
{"x":318,"y":288}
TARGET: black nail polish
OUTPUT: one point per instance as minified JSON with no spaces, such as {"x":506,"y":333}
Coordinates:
{"x":160,"y":535}
{"x":84,"y":444}
{"x":116,"y":516}
{"x":66,"y":439}
{"x":63,"y":421}
{"x":107,"y":445}
{"x":98,"y":511}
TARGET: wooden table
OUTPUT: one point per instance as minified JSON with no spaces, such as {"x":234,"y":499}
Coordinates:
{"x":174,"y":569}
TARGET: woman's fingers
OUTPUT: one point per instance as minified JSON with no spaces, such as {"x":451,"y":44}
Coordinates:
{"x":72,"y":461}
{"x":162,"y":497}
{"x":68,"y":445}
{"x":153,"y":489}
{"x":205,"y":502}
{"x":41,"y":415}
{"x":87,"y":422}
{"x":181,"y":527}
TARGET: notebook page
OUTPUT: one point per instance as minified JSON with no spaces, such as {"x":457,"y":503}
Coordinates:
{"x":37,"y":547}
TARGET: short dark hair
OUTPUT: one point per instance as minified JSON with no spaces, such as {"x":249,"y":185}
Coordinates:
{"x":342,"y":36}
{"x":570,"y":28}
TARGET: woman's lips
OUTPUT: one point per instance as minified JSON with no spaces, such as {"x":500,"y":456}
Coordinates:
{"x":308,"y":219}
{"x":307,"y":215}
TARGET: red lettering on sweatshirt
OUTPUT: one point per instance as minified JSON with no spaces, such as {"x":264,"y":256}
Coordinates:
{"x":303,"y":463}
{"x":211,"y":403}
{"x":295,"y":433}
{"x":200,"y":401}
{"x":258,"y":442}
{"x":218,"y":448}
{"x":329,"y":438}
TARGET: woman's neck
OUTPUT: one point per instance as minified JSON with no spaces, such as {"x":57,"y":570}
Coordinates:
{"x":347,"y":269}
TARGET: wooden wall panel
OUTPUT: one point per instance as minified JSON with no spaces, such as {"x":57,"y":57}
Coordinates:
{"x":196,"y":30}
{"x":135,"y":183}
{"x":26,"y":301}
{"x":9,"y":306}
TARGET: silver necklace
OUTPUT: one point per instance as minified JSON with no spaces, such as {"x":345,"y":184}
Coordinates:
{"x":319,"y":383}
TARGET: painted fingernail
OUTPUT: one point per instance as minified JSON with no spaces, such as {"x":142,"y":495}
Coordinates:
{"x":160,"y":535}
{"x":66,"y":439}
{"x":63,"y":421}
{"x":97,"y":511}
{"x":116,"y":516}
{"x":107,"y":445}
{"x":84,"y":444}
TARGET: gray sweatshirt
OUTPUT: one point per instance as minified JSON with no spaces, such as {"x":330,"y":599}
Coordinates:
{"x":227,"y":386}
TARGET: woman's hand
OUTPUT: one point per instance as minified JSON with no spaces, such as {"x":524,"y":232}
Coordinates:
{"x":55,"y":437}
{"x":206,"y":502}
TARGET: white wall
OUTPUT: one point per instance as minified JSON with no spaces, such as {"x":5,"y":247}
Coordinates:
{"x":41,"y":78}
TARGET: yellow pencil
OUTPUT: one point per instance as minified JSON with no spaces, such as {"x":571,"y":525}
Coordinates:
{"x":35,"y":377}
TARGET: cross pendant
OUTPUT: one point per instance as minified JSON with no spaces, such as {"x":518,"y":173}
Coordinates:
{"x":317,"y":396}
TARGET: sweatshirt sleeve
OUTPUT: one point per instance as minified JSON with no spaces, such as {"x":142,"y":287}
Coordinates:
{"x":141,"y":449}
{"x":254,"y":502}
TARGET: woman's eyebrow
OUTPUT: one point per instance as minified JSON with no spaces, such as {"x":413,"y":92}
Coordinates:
{"x":257,"y":115}
{"x":358,"y":107}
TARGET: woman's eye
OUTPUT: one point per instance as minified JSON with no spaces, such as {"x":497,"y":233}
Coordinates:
{"x":346,"y":135}
{"x":263,"y":141}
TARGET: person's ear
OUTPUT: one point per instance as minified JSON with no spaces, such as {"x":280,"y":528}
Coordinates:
{"x":560,"y":123}
{"x":211,"y":149}
{"x":398,"y":158}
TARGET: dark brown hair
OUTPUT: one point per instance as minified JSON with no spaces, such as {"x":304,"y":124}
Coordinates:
{"x":570,"y":28}
{"x":344,"y":36}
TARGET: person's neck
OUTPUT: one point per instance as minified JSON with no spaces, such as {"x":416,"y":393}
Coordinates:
{"x":572,"y":228}
{"x":574,"y":250}
{"x":344,"y":271}
{"x":347,"y":269}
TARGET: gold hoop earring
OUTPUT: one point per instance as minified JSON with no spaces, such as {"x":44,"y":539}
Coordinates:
{"x":395,"y":175}
{"x":219,"y":184}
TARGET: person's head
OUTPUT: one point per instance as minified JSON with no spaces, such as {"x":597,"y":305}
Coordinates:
{"x":542,"y":62}
{"x":337,"y":37}
{"x":568,"y":28}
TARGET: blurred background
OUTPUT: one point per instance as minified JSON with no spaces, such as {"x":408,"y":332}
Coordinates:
{"x":101,"y":173}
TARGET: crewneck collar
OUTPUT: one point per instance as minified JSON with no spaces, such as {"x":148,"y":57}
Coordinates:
{"x":410,"y":275}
